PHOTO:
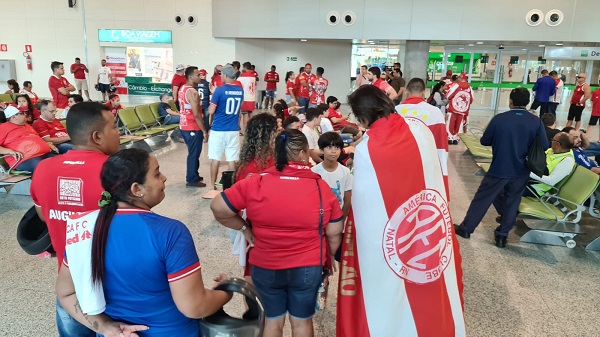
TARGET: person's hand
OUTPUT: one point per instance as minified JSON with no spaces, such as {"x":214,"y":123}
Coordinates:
{"x":205,"y":138}
{"x":220,"y":278}
{"x":17,"y":155}
{"x":334,"y":265}
{"x":53,"y":148}
{"x":118,"y":329}
{"x":249,"y":238}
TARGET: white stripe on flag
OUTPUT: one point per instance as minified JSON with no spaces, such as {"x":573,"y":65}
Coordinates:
{"x":387,"y":308}
{"x":435,"y":181}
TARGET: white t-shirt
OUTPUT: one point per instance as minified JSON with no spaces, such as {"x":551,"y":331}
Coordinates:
{"x":326,"y":125}
{"x":103,"y":72}
{"x":339,"y":180}
{"x":557,"y":97}
{"x":312,"y":136}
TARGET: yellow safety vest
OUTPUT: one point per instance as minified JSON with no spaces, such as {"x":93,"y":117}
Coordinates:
{"x":552,"y":159}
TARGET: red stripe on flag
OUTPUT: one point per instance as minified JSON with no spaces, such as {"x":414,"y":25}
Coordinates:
{"x":397,"y":163}
{"x":351,"y":315}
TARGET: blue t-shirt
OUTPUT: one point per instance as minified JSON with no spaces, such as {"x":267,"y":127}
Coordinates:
{"x":204,"y":92}
{"x":582,"y":159}
{"x":544,"y":88}
{"x":228,"y":98}
{"x":162,"y":109}
{"x":144,"y":252}
{"x":511,"y":134}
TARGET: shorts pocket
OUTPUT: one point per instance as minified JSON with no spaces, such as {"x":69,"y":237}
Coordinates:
{"x":263,"y":276}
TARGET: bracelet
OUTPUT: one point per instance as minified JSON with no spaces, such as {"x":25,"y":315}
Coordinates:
{"x":243,"y":229}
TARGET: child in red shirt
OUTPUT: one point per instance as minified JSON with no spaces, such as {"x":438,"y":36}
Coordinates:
{"x":114,"y":104}
{"x":24,"y":105}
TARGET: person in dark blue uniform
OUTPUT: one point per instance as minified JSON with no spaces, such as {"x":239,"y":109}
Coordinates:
{"x":204,"y":91}
{"x":510,"y":134}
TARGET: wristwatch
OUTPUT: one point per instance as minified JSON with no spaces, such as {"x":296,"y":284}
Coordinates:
{"x":243,"y":229}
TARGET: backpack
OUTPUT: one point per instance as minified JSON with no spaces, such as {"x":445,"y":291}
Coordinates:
{"x":431,"y":101}
{"x":536,"y":158}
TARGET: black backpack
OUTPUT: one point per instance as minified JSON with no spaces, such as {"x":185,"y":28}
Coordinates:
{"x":536,"y":158}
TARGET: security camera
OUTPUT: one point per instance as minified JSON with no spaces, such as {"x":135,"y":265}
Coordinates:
{"x":500,"y":46}
{"x":349,"y":18}
{"x":534,"y":17}
{"x":333,"y":18}
{"x":554,"y":18}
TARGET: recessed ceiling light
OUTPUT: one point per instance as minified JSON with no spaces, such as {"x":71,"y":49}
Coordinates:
{"x":559,"y":44}
{"x":370,"y":41}
{"x":542,"y":45}
{"x":303,"y":40}
{"x":471,"y":45}
{"x":479,"y":42}
{"x":524,"y":49}
{"x":461,"y":48}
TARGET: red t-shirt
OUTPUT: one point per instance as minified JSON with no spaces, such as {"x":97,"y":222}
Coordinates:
{"x":187,"y":122}
{"x":319,"y":86}
{"x":252,"y":169}
{"x":285,"y":237}
{"x":79,"y":74}
{"x":216,"y":80}
{"x":596,"y":103}
{"x":290,"y":88}
{"x":578,"y":93}
{"x":54,"y":83}
{"x":383,"y":85}
{"x":22,"y":139}
{"x":52,"y":129}
{"x":114,"y":110}
{"x":66,"y":184}
{"x":302,"y":91}
{"x":271,"y":75}
{"x":178,"y":80}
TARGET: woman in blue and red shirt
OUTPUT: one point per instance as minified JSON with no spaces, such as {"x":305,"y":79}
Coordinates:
{"x":289,"y":243}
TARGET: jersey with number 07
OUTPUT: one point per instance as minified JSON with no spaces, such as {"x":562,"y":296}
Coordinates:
{"x":228,"y":100}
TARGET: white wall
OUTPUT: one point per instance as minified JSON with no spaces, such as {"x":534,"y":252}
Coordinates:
{"x":333,"y":56}
{"x":55,"y":32}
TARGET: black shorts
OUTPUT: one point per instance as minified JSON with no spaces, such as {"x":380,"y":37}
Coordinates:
{"x":104,"y":88}
{"x":593,"y":120}
{"x":575,"y":112}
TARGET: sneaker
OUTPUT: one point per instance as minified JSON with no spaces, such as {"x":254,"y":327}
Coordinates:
{"x":198,"y":184}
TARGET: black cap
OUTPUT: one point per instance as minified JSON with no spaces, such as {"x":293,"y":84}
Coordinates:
{"x":331,"y":99}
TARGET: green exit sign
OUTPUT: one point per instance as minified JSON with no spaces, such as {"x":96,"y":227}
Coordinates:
{"x":292,"y":58}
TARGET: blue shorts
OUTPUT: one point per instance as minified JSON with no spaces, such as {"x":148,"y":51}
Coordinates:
{"x":291,"y":290}
{"x":270,"y":93}
{"x":104,"y":87}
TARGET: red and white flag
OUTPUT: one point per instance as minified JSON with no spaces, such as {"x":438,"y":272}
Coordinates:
{"x":401,"y":270}
{"x":417,"y":108}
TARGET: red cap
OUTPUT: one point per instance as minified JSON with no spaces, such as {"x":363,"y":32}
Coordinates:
{"x":217,"y":67}
{"x":448,"y":72}
{"x":463,"y":75}
{"x":203,"y":72}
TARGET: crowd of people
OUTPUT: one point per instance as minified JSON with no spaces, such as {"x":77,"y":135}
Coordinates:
{"x":354,"y":206}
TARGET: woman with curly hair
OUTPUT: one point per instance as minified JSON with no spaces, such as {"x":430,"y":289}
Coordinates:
{"x":13,"y":87}
{"x":258,"y":147}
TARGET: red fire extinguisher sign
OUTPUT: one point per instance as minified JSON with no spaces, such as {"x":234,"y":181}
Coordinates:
{"x":28,"y":48}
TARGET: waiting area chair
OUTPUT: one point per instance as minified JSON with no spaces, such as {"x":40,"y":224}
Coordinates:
{"x":133,"y":126}
{"x":147,"y":117}
{"x":6,"y":98}
{"x":557,"y":215}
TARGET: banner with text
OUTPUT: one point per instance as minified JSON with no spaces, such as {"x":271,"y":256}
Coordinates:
{"x":149,"y":89}
{"x":572,"y":53}
{"x":116,"y":60}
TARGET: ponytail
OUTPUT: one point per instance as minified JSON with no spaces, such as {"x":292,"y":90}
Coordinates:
{"x":287,"y":145}
{"x":288,"y":75}
{"x":107,"y":211}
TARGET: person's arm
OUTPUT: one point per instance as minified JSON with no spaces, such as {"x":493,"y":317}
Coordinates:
{"x":73,"y":69}
{"x":65,"y":90}
{"x":585,"y":142}
{"x":6,"y":151}
{"x":85,"y":68}
{"x":587,"y":93}
{"x":347,"y":203}
{"x":535,"y":86}
{"x":172,"y":112}
{"x":488,"y":134}
{"x":101,"y":324}
{"x":595,"y":169}
{"x":57,"y":140}
{"x":315,"y":155}
{"x":291,"y":93}
{"x":333,"y":233}
{"x":194,"y":99}
{"x":98,"y":79}
{"x":228,"y":217}
{"x":400,"y":93}
{"x":392,"y":94}
{"x":561,"y":170}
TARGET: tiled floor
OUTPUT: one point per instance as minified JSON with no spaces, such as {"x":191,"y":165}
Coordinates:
{"x":523,"y":290}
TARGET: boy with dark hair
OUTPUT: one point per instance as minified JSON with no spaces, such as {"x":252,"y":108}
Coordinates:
{"x":549,"y":121}
{"x":337,"y":176}
{"x":313,"y":120}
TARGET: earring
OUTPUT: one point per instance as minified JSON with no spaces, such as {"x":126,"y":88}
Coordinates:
{"x":141,"y":195}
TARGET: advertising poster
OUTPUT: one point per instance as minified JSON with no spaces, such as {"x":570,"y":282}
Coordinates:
{"x":116,"y":61}
{"x":156,"y":63}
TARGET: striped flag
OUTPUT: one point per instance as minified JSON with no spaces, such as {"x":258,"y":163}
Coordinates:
{"x":416,"y":107}
{"x":400,"y":272}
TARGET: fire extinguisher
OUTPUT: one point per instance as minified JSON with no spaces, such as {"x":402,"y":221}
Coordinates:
{"x":28,"y":61}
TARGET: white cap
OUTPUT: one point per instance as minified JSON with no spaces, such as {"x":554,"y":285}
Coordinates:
{"x":10,"y":111}
{"x":179,"y":67}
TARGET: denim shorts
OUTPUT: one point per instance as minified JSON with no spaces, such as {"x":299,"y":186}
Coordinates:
{"x":270,"y":93}
{"x":291,"y":290}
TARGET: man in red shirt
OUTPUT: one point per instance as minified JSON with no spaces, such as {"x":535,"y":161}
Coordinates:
{"x":59,"y":86}
{"x":216,"y":80}
{"x":319,"y":86}
{"x":248,"y":81}
{"x":18,"y":140}
{"x":177,"y":82}
{"x":460,"y":97}
{"x":50,"y":128}
{"x":78,"y":70}
{"x":303,"y":81}
{"x":373,"y":75}
{"x":70,"y":183}
{"x":272,"y":78}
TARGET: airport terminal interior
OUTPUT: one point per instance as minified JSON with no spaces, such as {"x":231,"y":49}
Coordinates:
{"x":543,"y":283}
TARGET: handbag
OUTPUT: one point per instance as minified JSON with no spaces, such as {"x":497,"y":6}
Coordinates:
{"x":324,"y":286}
{"x":536,"y":158}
